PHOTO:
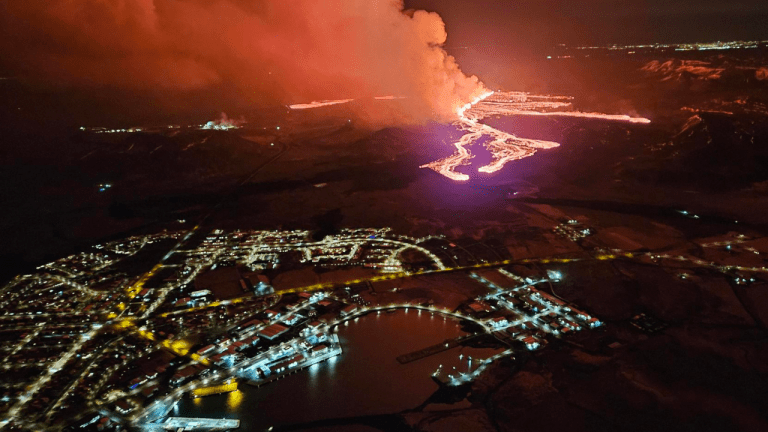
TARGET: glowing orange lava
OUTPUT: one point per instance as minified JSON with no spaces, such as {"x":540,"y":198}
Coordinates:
{"x":389,"y":97}
{"x":317,"y":104}
{"x":506,"y":147}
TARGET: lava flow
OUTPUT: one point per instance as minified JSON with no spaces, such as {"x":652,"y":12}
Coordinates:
{"x":318,"y":104}
{"x":506,"y":147}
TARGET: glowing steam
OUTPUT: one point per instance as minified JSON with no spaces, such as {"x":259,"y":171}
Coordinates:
{"x":390,"y":97}
{"x":223,"y":123}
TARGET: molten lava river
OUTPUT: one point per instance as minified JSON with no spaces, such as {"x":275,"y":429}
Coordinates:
{"x":505,"y":147}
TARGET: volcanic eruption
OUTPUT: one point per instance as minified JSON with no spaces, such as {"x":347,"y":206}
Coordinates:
{"x":262,"y":53}
{"x":271,"y":52}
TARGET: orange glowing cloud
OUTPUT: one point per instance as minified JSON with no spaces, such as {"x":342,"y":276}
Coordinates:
{"x":280,"y":51}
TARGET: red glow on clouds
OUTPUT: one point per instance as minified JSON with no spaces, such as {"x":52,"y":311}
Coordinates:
{"x":277,"y":51}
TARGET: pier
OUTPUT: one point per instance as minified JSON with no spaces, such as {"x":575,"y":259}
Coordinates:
{"x":200,"y":424}
{"x":333,"y":351}
{"x":434,"y":349}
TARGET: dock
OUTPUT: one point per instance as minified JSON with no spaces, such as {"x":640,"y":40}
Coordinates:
{"x":227,"y":386}
{"x":333,"y":352}
{"x":245,"y":372}
{"x":434,"y":349}
{"x":200,"y":424}
{"x":443,"y":378}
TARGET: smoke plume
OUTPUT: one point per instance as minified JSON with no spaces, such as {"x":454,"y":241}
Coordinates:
{"x":223,"y":123}
{"x":282,"y":51}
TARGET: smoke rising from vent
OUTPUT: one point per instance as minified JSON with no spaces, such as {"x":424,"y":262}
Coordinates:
{"x":269,"y":51}
{"x":223,"y":123}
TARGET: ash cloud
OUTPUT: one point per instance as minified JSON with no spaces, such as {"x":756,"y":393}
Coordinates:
{"x":267,"y":51}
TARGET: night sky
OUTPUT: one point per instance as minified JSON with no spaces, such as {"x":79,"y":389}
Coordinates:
{"x":531,"y":24}
{"x":504,"y":41}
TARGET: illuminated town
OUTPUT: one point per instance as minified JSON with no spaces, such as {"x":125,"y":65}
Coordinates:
{"x":103,"y":330}
{"x":682,"y":47}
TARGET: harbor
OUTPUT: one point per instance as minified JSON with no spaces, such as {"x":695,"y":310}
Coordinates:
{"x":330,"y":388}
